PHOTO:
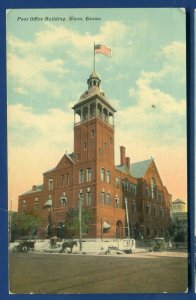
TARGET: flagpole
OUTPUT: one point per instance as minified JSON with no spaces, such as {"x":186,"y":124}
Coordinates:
{"x":94,"y":58}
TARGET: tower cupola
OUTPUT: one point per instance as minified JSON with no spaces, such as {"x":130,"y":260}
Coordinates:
{"x":93,"y":80}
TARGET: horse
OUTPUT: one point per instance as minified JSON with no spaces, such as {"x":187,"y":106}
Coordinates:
{"x":68,"y":244}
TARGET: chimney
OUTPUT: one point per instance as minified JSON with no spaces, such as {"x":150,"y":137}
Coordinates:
{"x":128,"y":163}
{"x":122,"y":156}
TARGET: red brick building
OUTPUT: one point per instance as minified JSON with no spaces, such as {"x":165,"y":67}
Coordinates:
{"x":125,"y":200}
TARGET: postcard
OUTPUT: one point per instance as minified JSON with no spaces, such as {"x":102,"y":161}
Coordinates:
{"x":97,"y":150}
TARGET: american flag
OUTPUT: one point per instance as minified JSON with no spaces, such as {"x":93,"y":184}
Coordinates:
{"x":103,"y":50}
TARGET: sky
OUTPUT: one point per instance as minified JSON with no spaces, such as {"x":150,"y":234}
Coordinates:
{"x":48,"y":64}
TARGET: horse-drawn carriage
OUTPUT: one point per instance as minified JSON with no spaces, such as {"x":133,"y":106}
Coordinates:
{"x":67,"y":246}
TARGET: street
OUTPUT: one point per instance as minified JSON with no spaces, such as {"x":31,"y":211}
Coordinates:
{"x":61,"y":274}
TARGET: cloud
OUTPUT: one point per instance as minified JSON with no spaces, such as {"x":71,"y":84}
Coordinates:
{"x":46,"y":126}
{"x":31,"y":72}
{"x":20,"y":90}
{"x":29,"y":155}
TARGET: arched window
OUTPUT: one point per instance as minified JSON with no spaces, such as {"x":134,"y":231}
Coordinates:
{"x":148,"y":231}
{"x":153,"y":188}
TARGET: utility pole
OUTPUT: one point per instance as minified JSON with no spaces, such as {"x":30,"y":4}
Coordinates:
{"x":10,"y":222}
{"x":127,"y":215}
{"x":80,"y":220}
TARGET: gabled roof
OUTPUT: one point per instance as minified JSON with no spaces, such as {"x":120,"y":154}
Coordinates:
{"x":178,"y":201}
{"x":140,"y":168}
{"x":49,"y":170}
{"x":35,"y":189}
{"x":70,"y":158}
{"x":123,"y":169}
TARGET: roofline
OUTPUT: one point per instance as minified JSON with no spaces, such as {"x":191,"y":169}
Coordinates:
{"x":92,"y":97}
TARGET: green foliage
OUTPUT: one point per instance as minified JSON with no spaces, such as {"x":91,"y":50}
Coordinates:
{"x":72,"y":223}
{"x":25,"y":223}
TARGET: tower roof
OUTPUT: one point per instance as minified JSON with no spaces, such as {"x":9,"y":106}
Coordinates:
{"x":94,"y":89}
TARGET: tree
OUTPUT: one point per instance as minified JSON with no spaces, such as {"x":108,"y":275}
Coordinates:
{"x":72,"y":222}
{"x":25,"y":224}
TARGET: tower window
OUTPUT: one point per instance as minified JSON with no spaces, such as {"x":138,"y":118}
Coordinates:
{"x":92,"y":132}
{"x":78,"y":156}
{"x":103,"y":198}
{"x":108,"y":177}
{"x":117,"y":182}
{"x":85,"y":145}
{"x":81,"y":176}
{"x":100,"y":152}
{"x":108,"y":198}
{"x":102,"y":175}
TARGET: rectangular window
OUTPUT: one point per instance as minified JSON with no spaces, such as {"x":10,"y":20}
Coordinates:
{"x":24,"y":205}
{"x":117,"y":203}
{"x":117,"y":182}
{"x":148,"y":208}
{"x":133,"y":188}
{"x":81,"y":198}
{"x":106,"y":230}
{"x":78,"y":156}
{"x":64,"y":200}
{"x":92,"y":132}
{"x":148,"y":192}
{"x":62,"y":180}
{"x":102,"y":175}
{"x":133,"y":206}
{"x":50,"y":184}
{"x":103,"y":198}
{"x":126,"y":185}
{"x":161,"y":212}
{"x":108,"y":177}
{"x":108,"y":199}
{"x":88,"y":198}
{"x":36,"y":204}
{"x":67,"y":175}
{"x":81,"y":176}
{"x":88,"y":174}
{"x":85,"y":145}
